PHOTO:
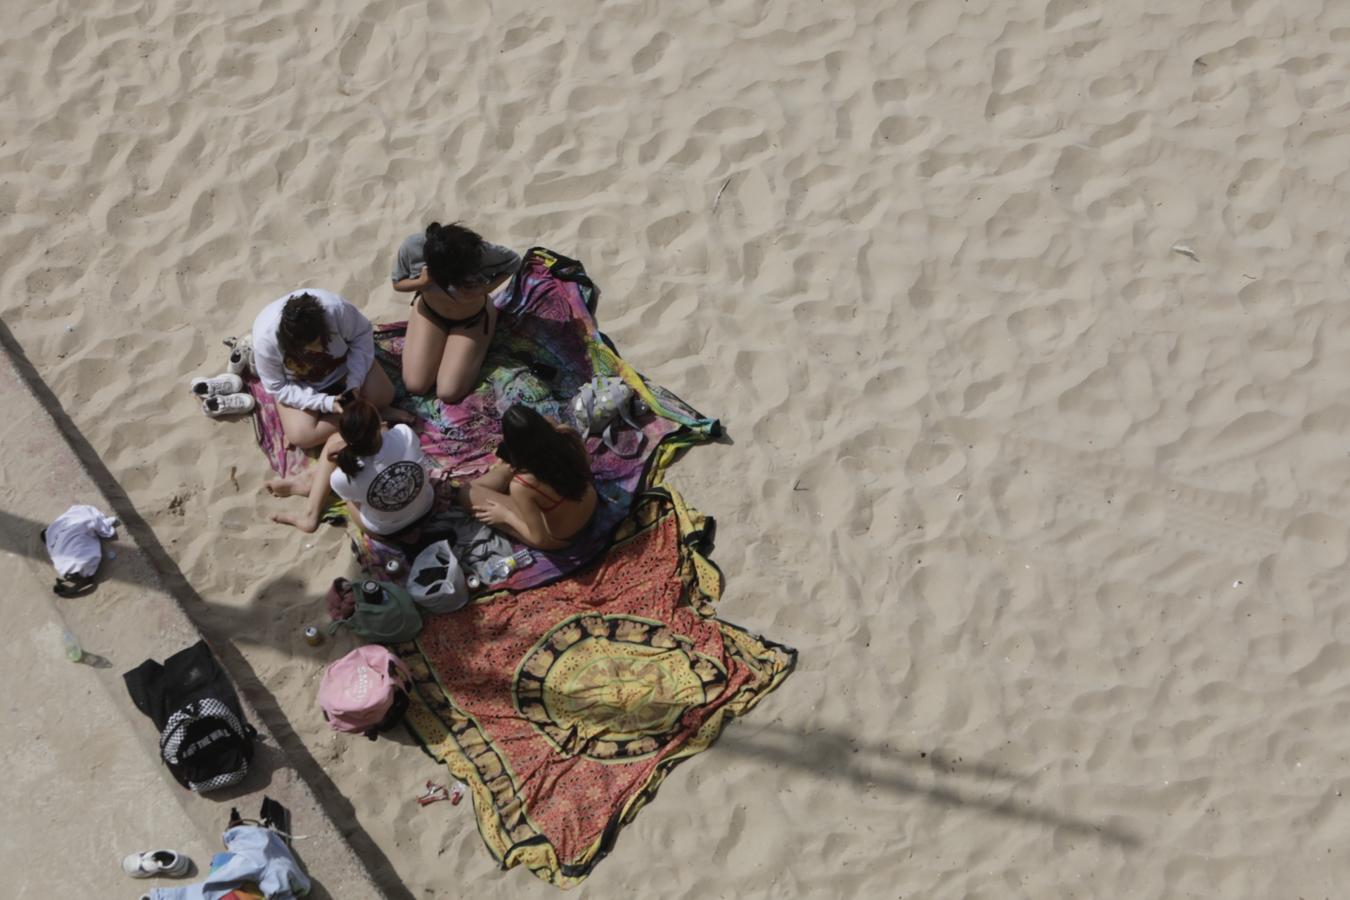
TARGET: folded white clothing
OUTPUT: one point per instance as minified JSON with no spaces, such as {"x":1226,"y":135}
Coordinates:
{"x":73,"y":540}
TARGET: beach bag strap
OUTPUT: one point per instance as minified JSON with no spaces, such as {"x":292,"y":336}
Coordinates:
{"x":609,"y":440}
{"x":622,"y":411}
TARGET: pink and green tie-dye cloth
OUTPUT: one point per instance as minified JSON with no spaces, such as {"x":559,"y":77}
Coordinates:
{"x":547,"y":345}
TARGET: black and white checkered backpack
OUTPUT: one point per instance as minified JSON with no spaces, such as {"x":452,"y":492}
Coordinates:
{"x":206,"y":746}
{"x":204,"y":738}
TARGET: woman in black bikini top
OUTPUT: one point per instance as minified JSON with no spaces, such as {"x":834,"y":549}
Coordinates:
{"x":453,"y":317}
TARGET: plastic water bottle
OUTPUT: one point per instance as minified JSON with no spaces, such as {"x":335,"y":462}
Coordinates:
{"x":501,"y":568}
{"x":74,"y":652}
{"x":504,"y":566}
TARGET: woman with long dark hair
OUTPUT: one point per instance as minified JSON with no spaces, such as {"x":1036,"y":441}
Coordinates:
{"x":541,"y":492}
{"x":453,"y":272}
{"x":382,"y":474}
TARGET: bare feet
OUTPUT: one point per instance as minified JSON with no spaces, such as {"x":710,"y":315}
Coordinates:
{"x":304,"y":523}
{"x":291,"y":486}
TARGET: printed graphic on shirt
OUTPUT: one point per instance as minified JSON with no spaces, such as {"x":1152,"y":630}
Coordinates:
{"x":311,"y":365}
{"x":396,"y":487}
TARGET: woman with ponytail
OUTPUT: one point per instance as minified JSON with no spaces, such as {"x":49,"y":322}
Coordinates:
{"x":453,"y":272}
{"x":381,"y":473}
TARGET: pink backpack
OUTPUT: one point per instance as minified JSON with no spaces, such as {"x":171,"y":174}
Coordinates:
{"x":365,"y":692}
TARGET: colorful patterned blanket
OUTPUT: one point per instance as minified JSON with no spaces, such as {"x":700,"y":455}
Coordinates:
{"x":564,"y":707}
{"x":564,"y":702}
{"x":547,"y":346}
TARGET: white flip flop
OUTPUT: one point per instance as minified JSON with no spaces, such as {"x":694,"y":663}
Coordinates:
{"x":224,"y":383}
{"x":156,"y":864}
{"x":228,"y":405}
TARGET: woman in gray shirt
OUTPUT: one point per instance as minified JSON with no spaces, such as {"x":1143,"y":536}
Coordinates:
{"x":453,"y":272}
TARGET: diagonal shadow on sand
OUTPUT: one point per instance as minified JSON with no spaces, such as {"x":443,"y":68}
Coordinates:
{"x":937,"y":777}
{"x":12,"y":537}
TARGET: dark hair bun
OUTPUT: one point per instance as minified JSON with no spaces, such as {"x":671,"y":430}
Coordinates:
{"x":454,"y":255}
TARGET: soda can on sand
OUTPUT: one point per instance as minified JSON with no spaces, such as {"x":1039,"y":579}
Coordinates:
{"x":313,"y":637}
{"x":457,"y":793}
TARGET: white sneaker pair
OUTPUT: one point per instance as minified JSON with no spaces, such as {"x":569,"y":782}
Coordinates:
{"x":223,"y":395}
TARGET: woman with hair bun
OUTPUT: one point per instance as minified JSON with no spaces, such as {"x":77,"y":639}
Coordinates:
{"x":453,"y":272}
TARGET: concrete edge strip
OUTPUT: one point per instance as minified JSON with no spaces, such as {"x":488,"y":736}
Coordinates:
{"x":344,"y":872}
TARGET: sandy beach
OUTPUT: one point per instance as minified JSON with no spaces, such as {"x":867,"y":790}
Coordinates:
{"x":1022,"y":319}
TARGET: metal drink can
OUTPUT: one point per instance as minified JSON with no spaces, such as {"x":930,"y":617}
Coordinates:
{"x":312,"y":636}
{"x":473,"y":582}
{"x":394,"y":567}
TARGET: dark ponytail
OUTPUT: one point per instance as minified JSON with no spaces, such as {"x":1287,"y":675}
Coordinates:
{"x":359,"y":426}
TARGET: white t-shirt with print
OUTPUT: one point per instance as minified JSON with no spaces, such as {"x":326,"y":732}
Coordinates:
{"x":392,"y":486}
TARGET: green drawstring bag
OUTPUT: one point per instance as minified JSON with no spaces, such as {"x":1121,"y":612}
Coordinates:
{"x":392,"y":619}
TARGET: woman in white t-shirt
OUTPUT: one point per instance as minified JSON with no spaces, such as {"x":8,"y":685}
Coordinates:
{"x":383,"y":475}
{"x":308,"y":348}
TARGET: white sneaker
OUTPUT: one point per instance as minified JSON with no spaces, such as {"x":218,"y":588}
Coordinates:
{"x":225,"y":383}
{"x":228,"y":405}
{"x":156,"y":864}
{"x":241,"y":355}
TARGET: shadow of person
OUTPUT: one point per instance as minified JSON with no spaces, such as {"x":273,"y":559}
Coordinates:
{"x":938,"y":776}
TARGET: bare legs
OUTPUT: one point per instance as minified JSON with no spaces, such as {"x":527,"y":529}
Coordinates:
{"x":448,"y":362}
{"x":312,"y":484}
{"x":306,"y":429}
